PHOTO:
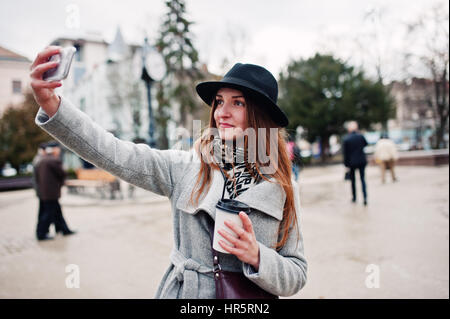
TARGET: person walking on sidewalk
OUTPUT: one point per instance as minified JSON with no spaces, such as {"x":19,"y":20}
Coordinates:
{"x":355,"y":158}
{"x":386,"y":155}
{"x":37,"y":158}
{"x":49,"y":177}
{"x":267,"y":251}
{"x":294,"y":156}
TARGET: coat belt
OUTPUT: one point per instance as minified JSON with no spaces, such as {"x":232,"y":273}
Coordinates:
{"x":186,"y":270}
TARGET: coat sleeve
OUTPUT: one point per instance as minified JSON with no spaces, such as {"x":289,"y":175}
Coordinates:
{"x":364,"y":141}
{"x":283,"y":272}
{"x":345,"y":153}
{"x":138,"y":164}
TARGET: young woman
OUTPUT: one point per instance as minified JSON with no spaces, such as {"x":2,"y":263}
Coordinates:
{"x":268,"y":249}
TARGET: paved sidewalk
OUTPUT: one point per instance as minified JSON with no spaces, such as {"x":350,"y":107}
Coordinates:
{"x":138,"y":197}
{"x":399,"y":241}
{"x":402,"y":234}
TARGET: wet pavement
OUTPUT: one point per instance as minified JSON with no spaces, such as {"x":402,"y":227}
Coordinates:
{"x":396,"y":247}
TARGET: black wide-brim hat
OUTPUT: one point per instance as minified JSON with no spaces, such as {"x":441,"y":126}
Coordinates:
{"x":248,"y":78}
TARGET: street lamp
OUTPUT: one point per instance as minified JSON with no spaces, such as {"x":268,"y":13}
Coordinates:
{"x":153,"y":69}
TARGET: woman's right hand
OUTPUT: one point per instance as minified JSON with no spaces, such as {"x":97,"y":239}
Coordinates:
{"x":43,"y":91}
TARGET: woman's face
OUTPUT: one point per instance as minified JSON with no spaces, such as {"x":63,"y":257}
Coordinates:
{"x":230,"y":113}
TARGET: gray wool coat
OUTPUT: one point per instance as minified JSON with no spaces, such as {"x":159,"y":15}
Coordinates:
{"x":173,"y":173}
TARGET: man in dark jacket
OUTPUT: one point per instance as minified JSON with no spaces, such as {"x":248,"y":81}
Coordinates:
{"x":49,"y":177}
{"x":355,"y":158}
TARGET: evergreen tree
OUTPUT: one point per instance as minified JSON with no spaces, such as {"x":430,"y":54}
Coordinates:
{"x":181,"y":58}
{"x":162,"y":116}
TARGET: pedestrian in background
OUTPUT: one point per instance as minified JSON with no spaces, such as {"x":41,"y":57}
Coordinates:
{"x":37,"y":158}
{"x":294,"y":156}
{"x":355,"y":158}
{"x":49,"y":177}
{"x":386,"y":155}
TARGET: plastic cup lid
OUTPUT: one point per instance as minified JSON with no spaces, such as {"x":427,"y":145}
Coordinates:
{"x":233,"y":206}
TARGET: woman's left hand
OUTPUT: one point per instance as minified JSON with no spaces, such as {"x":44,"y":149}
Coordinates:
{"x":245,"y":247}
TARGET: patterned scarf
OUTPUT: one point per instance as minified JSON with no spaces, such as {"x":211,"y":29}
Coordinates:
{"x":238,"y":178}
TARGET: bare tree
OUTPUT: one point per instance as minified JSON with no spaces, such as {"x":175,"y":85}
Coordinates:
{"x":236,"y":41}
{"x":370,"y":47}
{"x":375,"y":43}
{"x":427,"y":53}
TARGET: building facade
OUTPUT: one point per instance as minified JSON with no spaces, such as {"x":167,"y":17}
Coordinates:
{"x":416,"y":117}
{"x":104,"y":83}
{"x":14,"y":78}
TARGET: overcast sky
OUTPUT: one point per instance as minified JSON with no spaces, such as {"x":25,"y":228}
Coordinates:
{"x":269,"y":32}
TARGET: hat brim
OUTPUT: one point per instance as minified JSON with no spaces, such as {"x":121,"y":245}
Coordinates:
{"x":208,"y":90}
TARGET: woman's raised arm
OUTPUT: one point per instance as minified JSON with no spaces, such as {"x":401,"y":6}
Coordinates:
{"x":139,"y":164}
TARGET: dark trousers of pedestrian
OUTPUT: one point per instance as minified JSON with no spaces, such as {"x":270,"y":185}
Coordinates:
{"x":361,"y":170}
{"x":50,"y":213}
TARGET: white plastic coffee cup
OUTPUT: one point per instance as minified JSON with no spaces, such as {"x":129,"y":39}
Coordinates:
{"x":227,"y":209}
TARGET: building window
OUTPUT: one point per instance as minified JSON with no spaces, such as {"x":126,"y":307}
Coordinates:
{"x":17,"y":87}
{"x":79,"y":54}
{"x":78,"y":74}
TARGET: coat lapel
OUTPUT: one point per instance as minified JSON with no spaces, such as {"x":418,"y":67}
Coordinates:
{"x":207,"y":202}
{"x":267,"y":197}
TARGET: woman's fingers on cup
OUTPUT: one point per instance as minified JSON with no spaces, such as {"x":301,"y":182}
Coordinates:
{"x":246,"y":222}
{"x":239,"y":231}
{"x":228,"y":248}
{"x":44,"y":55}
{"x":232,"y":239}
{"x":39,"y":70}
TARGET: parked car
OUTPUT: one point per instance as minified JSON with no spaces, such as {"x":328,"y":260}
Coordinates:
{"x":8,"y":170}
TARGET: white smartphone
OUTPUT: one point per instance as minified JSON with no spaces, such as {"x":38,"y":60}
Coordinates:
{"x":62,"y":70}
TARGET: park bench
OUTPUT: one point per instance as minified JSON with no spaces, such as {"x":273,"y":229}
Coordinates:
{"x":100,"y":181}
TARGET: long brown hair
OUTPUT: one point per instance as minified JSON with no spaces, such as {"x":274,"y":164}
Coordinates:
{"x":282,"y":175}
